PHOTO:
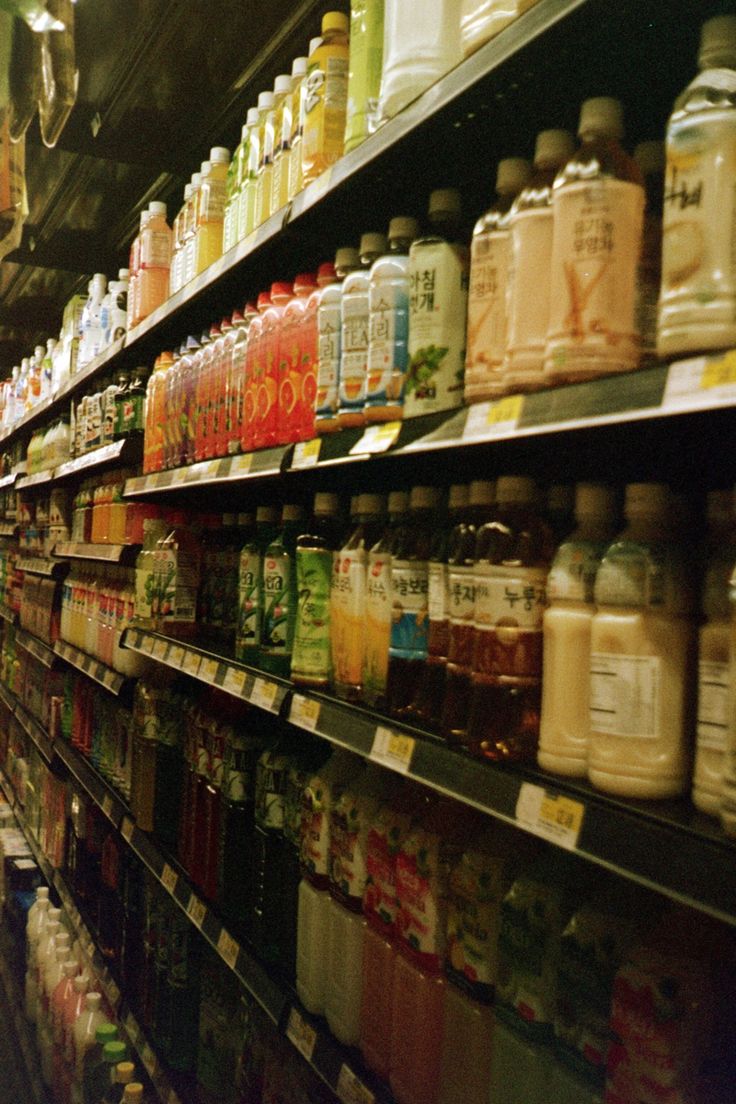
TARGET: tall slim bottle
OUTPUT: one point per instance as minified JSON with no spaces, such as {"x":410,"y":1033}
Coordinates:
{"x":329,"y":329}
{"x":314,"y":555}
{"x":354,"y":327}
{"x":327,"y":95}
{"x":378,"y":602}
{"x":250,"y":585}
{"x":280,"y":595}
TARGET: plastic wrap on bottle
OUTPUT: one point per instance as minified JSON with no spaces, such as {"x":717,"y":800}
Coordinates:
{"x":59,"y":77}
{"x":13,"y":206}
{"x":25,"y":78}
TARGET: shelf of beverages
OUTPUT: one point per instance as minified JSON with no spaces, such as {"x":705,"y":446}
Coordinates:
{"x":228,"y":469}
{"x":8,"y":529}
{"x":40,"y":651}
{"x":99,"y":553}
{"x":14,"y":1002}
{"x":39,"y":565}
{"x":35,"y":732}
{"x":126,"y":450}
{"x":93,"y":668}
{"x":8,"y":614}
{"x":7,"y":480}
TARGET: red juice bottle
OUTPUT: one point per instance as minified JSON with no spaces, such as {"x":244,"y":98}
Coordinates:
{"x":206,"y":410}
{"x":218,"y":390}
{"x":199,"y":396}
{"x":306,"y":404}
{"x":236,"y":386}
{"x":267,"y":398}
{"x":222,"y":443}
{"x":293,"y":350}
{"x":253,"y":374}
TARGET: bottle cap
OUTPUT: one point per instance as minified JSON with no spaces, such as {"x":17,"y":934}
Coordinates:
{"x":553,"y":148}
{"x":561,"y":496}
{"x":92,"y":1001}
{"x":42,"y":893}
{"x":398,"y":502}
{"x":458,"y":496}
{"x":515,"y":489}
{"x":482,"y":492}
{"x":105,"y":1033}
{"x":291,"y":511}
{"x":299,"y":67}
{"x":314,"y":44}
{"x":719,"y":508}
{"x":603,"y":116}
{"x":265,"y":101}
{"x":372,"y":504}
{"x":650,"y":157}
{"x":114,"y":1052}
{"x":250,"y":308}
{"x":373,"y":244}
{"x":512,"y":175}
{"x":347,"y":258}
{"x":133,"y":1093}
{"x":444,"y":203}
{"x":281,"y":290}
{"x":69,"y":967}
{"x":326,"y":274}
{"x":123,"y":274}
{"x":335,"y":21}
{"x":205,"y":168}
{"x":267,"y":514}
{"x":594,"y":500}
{"x":219,"y":155}
{"x":402,"y":227}
{"x":264,"y":301}
{"x":157,"y":208}
{"x":196,"y":180}
{"x":282,"y":84}
{"x":236,"y":319}
{"x":305,"y":283}
{"x":326,"y":503}
{"x":124,"y":1073}
{"x":718,"y":43}
{"x":424,"y":498}
{"x":252,"y":117}
{"x":647,"y":498}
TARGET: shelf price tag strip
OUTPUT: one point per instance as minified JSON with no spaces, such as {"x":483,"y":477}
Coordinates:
{"x":393,"y":749}
{"x":554,"y":818}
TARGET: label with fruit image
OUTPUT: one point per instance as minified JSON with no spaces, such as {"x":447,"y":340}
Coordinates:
{"x":438,"y":281}
{"x":421,"y":888}
{"x":477,"y":886}
{"x":384,"y":840}
{"x":311,"y":658}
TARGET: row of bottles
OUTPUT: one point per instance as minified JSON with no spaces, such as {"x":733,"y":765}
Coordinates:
{"x":97,"y":606}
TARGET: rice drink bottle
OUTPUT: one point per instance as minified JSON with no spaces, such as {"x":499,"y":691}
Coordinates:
{"x":264,"y":181}
{"x":364,"y":77}
{"x":314,"y":555}
{"x":329,"y":329}
{"x":354,"y":324}
{"x":421,"y":44}
{"x":248,"y":194}
{"x":697,"y":303}
{"x":438,"y":282}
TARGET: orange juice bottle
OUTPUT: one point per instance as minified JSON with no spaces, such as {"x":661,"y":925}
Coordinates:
{"x":267,"y":396}
{"x":264,"y":182}
{"x":299,"y":111}
{"x":189,"y":237}
{"x":296,"y":357}
{"x":326,"y":98}
{"x":211,"y":209}
{"x":153,"y":286}
{"x":289,"y":106}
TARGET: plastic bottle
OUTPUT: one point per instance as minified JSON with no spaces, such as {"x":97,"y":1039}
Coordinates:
{"x":650,"y":157}
{"x":297,"y":363}
{"x":247,"y":214}
{"x":438,"y":281}
{"x":530,"y":263}
{"x":641,"y":658}
{"x":153,"y":277}
{"x":421,"y":44}
{"x":512,"y":557}
{"x":176,"y":578}
{"x":264,"y":182}
{"x":35,"y":926}
{"x":279,"y":594}
{"x":285,"y":126}
{"x":114,"y":314}
{"x":364,"y":77}
{"x":379,"y":601}
{"x":329,"y":331}
{"x":480,"y":20}
{"x":114,"y":1056}
{"x":211,"y":209}
{"x":312,"y":962}
{"x":300,"y":94}
{"x":177,"y":242}
{"x":388,"y":333}
{"x":314,"y":555}
{"x":250,"y":585}
{"x":354,"y":326}
{"x":82,"y":1039}
{"x":594,"y":275}
{"x":233,"y":182}
{"x":410,"y":595}
{"x":189,"y":231}
{"x":94,"y":1066}
{"x":490,"y":260}
{"x":326,"y":98}
{"x":91,"y":341}
{"x":565,"y":719}
{"x":697,"y":304}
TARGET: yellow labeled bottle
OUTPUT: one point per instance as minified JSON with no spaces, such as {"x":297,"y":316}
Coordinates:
{"x":247,"y":157}
{"x":264,"y":183}
{"x":250,"y":187}
{"x":284,"y":126}
{"x":296,"y":174}
{"x":326,"y":98}
{"x":211,"y":209}
{"x":192,"y":223}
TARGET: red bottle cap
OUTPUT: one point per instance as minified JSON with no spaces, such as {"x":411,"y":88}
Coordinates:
{"x":264,"y":301}
{"x":236,"y":318}
{"x":326,"y":273}
{"x":305,"y":283}
{"x":281,"y":290}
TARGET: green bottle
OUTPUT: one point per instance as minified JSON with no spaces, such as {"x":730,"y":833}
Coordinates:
{"x":94,"y":1065}
{"x":279,"y":594}
{"x":250,"y":585}
{"x":311,"y":661}
{"x":102,"y":1073}
{"x":364,"y":78}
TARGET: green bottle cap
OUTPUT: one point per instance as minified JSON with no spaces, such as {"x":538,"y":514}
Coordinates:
{"x":106,"y":1033}
{"x":115,"y":1052}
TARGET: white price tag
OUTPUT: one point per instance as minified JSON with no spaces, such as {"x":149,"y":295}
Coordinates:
{"x":242,"y":464}
{"x":493,"y":419}
{"x":301,"y":1034}
{"x":196,"y":911}
{"x":208,"y":669}
{"x":264,"y":693}
{"x":113,"y":993}
{"x":557,"y":819}
{"x":228,"y":949}
{"x":304,"y":712}
{"x":351,"y":1089}
{"x":149,"y":1059}
{"x":191,"y":663}
{"x":131,"y":1026}
{"x":234,"y":681}
{"x":176,"y":655}
{"x":160,"y":648}
{"x":393,"y":749}
{"x":306,"y":453}
{"x":169,"y":878}
{"x":147,"y":644}
{"x":377,"y":438}
{"x":701,"y":381}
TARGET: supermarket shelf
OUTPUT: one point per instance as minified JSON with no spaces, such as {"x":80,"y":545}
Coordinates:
{"x":38,"y":479}
{"x":39,"y":565}
{"x":8,"y":698}
{"x":35,"y":732}
{"x":8,"y":614}
{"x":8,"y":480}
{"x":8,"y":528}
{"x":127,"y":450}
{"x":230,"y":469}
{"x":101,"y":553}
{"x":93,"y":668}
{"x":37,"y":648}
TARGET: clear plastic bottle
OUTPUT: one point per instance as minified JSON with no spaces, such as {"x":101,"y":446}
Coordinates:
{"x":421,"y":44}
{"x":280,"y":594}
{"x":299,"y":112}
{"x":248,"y":195}
{"x":327,"y":98}
{"x":598,"y":211}
{"x":177,"y":562}
{"x":153,"y":277}
{"x":364,"y":78}
{"x":285,"y":124}
{"x":329,"y":314}
{"x":211,"y":209}
{"x":188,"y":232}
{"x":490,"y":258}
{"x":697,"y":304}
{"x":378,"y":602}
{"x":480,"y":20}
{"x":242,"y":166}
{"x":354,"y":329}
{"x":264,"y":182}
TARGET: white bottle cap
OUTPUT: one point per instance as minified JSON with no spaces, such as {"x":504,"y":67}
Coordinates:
{"x":718,"y":43}
{"x":93,"y":1001}
{"x":553,"y":148}
{"x":123,"y":274}
{"x":398,"y":502}
{"x":252,"y":117}
{"x":516,"y":489}
{"x":424,"y":498}
{"x":445,"y":202}
{"x":373,"y":504}
{"x":219,"y":155}
{"x":512,"y":175}
{"x":157,"y":208}
{"x":62,"y":944}
{"x":326,"y":503}
{"x":69,"y":967}
{"x":80,"y":982}
{"x":299,"y":67}
{"x":282,"y":84}
{"x":205,"y":167}
{"x":267,"y":513}
{"x":38,"y":351}
{"x":482,"y":493}
{"x":719,"y":508}
{"x":265,"y":100}
{"x":196,"y":181}
{"x":100,"y":280}
{"x":314,"y":44}
{"x":347,"y":257}
{"x":402,"y":227}
{"x":603,"y":117}
{"x":291,"y":512}
{"x":650,"y":157}
{"x":594,"y":500}
{"x":457,"y":498}
{"x":54,"y":914}
{"x":42,"y":893}
{"x":647,"y":498}
{"x":560,"y":496}
{"x":373,"y":244}
{"x":187,"y":192}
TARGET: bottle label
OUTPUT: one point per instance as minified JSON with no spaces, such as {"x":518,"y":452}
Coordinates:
{"x":347,"y":612}
{"x":212,"y":200}
{"x":156,"y":249}
{"x":486,"y":339}
{"x":438,"y":294}
{"x":713,"y":693}
{"x":388,"y":344}
{"x":271,"y":777}
{"x":410,"y":593}
{"x":437,"y":594}
{"x":384,"y":838}
{"x":625,"y":695}
{"x":573,"y":572}
{"x":377,"y":622}
{"x":508,"y":611}
{"x":179,"y":582}
{"x":461,"y":591}
{"x":477,"y":886}
{"x":530,"y":254}
{"x":315,"y":850}
{"x":348,"y":845}
{"x":354,"y":361}
{"x":595,"y":254}
{"x":144,"y":584}
{"x":328,"y":367}
{"x":422,"y":875}
{"x":311,"y":654}
{"x":632,"y":575}
{"x":276,"y":602}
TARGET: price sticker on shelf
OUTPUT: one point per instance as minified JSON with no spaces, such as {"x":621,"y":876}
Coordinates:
{"x":107,"y":805}
{"x":126,"y":829}
{"x":304,"y":712}
{"x":301,"y":1034}
{"x":113,"y":994}
{"x":306,"y":453}
{"x":351,"y":1090}
{"x":242,"y":464}
{"x":208,"y":669}
{"x":228,"y":949}
{"x":264,"y":693}
{"x":147,"y":643}
{"x":393,"y":749}
{"x":234,"y":681}
{"x":160,"y":649}
{"x":554,"y":818}
{"x":196,"y":911}
{"x":131,"y":1027}
{"x":169,"y":878}
{"x":191,"y":663}
{"x":701,"y":381}
{"x":377,"y":438}
{"x":493,"y":419}
{"x":176,"y":655}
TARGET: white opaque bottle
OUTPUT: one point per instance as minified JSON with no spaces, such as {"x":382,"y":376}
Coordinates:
{"x":421,"y":42}
{"x":84,"y":1034}
{"x":697,"y":304}
{"x":482,"y":19}
{"x":35,"y":926}
{"x":642,"y":654}
{"x":565,"y":718}
{"x":354,"y":324}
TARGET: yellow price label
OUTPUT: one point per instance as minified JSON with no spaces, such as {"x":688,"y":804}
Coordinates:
{"x":377,"y":438}
{"x":196,"y":911}
{"x":107,"y":806}
{"x":719,"y":373}
{"x":242,"y":464}
{"x":234,"y":681}
{"x":306,"y":453}
{"x":304,"y":712}
{"x":160,"y":648}
{"x":301,"y":1034}
{"x":191,"y":663}
{"x":505,"y":410}
{"x":562,"y":814}
{"x":176,"y":656}
{"x":393,"y":749}
{"x":169,"y":878}
{"x":228,"y":949}
{"x":553,"y":817}
{"x":264,"y":693}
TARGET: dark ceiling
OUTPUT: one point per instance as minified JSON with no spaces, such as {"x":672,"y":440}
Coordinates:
{"x":160,"y":81}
